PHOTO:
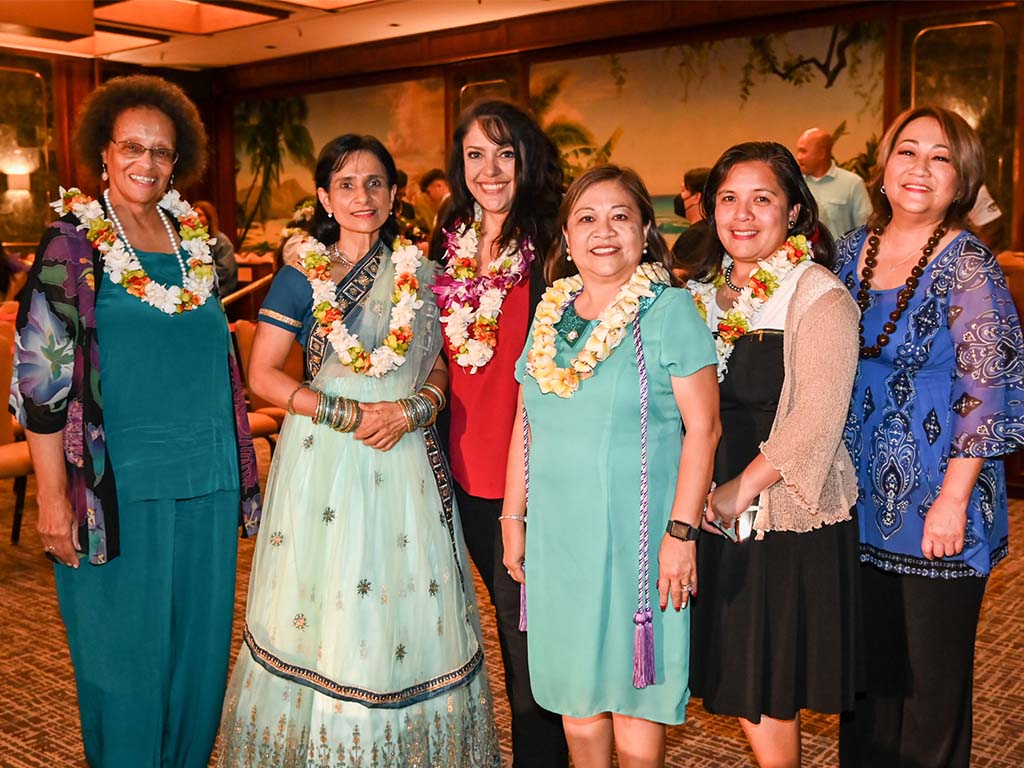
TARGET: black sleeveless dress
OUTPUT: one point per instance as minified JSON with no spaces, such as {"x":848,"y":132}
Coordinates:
{"x":773,"y":621}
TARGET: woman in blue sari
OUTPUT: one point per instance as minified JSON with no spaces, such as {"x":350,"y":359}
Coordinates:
{"x":361,"y":635}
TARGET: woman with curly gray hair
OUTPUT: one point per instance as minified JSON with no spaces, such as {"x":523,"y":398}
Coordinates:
{"x":140,"y":443}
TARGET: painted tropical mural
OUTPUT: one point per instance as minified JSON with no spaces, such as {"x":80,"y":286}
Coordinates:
{"x":665,"y":110}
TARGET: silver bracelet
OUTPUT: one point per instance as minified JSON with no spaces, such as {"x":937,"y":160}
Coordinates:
{"x":520,"y":518}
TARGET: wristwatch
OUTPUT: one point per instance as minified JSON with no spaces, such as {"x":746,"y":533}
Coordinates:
{"x":677,"y":529}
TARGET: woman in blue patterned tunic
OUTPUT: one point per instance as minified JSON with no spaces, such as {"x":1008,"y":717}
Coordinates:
{"x":937,"y":399}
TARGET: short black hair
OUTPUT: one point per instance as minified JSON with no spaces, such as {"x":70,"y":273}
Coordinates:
{"x":101,"y":108}
{"x":428,"y":178}
{"x":695,"y":179}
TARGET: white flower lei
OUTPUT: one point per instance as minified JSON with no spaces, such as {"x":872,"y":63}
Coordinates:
{"x":761,"y":286}
{"x":316,"y":264}
{"x":123,"y":267}
{"x":606,"y":336}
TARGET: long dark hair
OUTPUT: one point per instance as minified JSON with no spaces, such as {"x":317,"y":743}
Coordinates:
{"x":538,"y":176}
{"x":334,"y":154}
{"x":557,"y":265}
{"x":707,"y":260}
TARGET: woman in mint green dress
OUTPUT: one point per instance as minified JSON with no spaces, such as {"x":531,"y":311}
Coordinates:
{"x":361,"y":644}
{"x":617,"y":363}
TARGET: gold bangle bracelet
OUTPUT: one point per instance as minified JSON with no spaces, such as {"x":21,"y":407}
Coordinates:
{"x":290,"y":407}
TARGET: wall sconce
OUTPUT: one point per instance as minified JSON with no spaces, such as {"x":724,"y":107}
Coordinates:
{"x":18,"y":182}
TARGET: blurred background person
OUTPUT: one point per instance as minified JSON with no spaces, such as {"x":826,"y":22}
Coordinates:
{"x":841,"y":195}
{"x":688,"y":205}
{"x":222,"y":247}
{"x":938,"y":399}
{"x":434,"y":191}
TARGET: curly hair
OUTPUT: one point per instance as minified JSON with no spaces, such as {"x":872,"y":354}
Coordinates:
{"x":538,"y":176}
{"x":101,"y":108}
{"x":707,"y":260}
{"x":557,"y":264}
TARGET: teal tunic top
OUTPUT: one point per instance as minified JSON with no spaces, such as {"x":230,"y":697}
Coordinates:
{"x":167,"y":404}
{"x":583,"y":536}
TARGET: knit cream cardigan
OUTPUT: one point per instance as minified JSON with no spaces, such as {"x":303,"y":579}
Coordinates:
{"x":820,"y":352}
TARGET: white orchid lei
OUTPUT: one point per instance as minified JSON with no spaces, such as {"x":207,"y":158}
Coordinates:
{"x":470,"y":304}
{"x":606,"y":336}
{"x":122,"y":266}
{"x":761,"y":286}
{"x":316,"y":264}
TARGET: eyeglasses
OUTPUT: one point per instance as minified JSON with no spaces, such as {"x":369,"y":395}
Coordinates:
{"x":132,"y":150}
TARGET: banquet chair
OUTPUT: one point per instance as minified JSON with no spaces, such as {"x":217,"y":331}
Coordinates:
{"x":15,"y":460}
{"x":265,"y":420}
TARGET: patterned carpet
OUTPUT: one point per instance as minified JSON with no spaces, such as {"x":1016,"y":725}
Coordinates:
{"x":39,"y":723}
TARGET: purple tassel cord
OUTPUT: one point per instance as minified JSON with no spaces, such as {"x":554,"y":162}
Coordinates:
{"x":643,"y":649}
{"x":526,"y":477}
{"x":643,"y":637}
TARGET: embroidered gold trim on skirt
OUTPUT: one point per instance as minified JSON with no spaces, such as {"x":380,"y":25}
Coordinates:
{"x":370,"y":699}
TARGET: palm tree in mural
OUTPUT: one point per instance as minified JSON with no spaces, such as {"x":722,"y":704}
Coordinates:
{"x":267,"y":131}
{"x":578,"y":150}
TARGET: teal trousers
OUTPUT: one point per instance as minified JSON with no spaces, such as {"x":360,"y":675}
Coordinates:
{"x":150,"y":633}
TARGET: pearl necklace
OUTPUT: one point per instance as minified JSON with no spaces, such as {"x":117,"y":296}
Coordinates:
{"x":127,"y":244}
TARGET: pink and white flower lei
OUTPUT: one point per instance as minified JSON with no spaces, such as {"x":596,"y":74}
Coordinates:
{"x":470,"y":303}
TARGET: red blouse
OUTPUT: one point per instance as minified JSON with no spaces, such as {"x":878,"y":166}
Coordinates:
{"x":483,"y":404}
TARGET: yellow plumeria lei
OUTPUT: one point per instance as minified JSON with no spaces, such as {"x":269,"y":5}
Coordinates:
{"x":606,"y":336}
{"x":316,"y":264}
{"x":761,"y":286}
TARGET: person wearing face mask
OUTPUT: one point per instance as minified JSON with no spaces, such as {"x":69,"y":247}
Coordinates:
{"x":938,"y":399}
{"x":687,"y":205}
{"x":506,"y":183}
{"x":774,"y":627}
{"x":361,"y":635}
{"x":134,"y":412}
{"x":609,"y":461}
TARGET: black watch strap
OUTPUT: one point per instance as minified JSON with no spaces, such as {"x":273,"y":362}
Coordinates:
{"x":677,"y":529}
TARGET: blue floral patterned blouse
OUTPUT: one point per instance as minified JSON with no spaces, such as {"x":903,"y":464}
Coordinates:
{"x":949,"y":384}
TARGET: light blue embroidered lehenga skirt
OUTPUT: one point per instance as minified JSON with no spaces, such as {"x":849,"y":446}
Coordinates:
{"x":361,"y":645}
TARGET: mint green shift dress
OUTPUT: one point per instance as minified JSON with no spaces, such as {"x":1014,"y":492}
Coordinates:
{"x":583,"y":535}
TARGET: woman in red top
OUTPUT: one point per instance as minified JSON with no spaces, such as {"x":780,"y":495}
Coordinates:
{"x":506,"y":184}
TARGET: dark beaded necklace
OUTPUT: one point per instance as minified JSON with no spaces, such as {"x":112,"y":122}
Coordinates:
{"x":902,"y":298}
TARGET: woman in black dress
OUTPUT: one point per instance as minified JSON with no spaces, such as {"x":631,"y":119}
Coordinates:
{"x":773,"y":625}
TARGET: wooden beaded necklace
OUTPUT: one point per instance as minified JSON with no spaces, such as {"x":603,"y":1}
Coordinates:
{"x":902,"y":298}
